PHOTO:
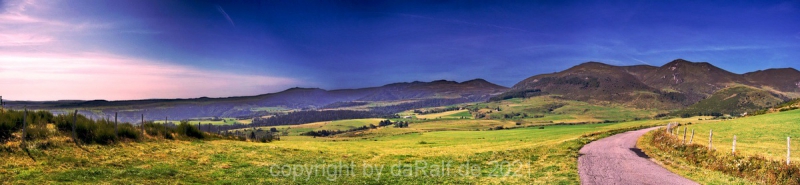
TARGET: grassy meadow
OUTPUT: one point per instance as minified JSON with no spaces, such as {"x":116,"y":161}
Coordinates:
{"x":421,"y":153}
{"x":551,"y":108}
{"x":223,"y":121}
{"x":760,"y":150}
{"x":756,"y":135}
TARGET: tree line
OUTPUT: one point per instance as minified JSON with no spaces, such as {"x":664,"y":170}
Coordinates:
{"x":434,"y":111}
{"x":384,"y":123}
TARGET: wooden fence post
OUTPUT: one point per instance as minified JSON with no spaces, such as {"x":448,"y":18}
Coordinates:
{"x":788,"y":149}
{"x":684,"y":135}
{"x":116,"y":127}
{"x":710,"y":135}
{"x":142,"y":125}
{"x":668,"y":125}
{"x":674,"y":131}
{"x":74,"y":124}
{"x":733,"y":149}
{"x":1,"y":105}
{"x":692,"y":137}
{"x":24,"y":124}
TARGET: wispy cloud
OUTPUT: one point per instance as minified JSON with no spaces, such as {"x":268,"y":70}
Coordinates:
{"x":141,"y":31}
{"x":104,"y":76}
{"x":219,"y":8}
{"x":41,"y":60}
{"x":640,"y":61}
{"x":22,"y":39}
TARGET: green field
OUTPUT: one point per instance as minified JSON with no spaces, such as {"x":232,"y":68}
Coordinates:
{"x":762,"y":135}
{"x":524,"y":155}
{"x":295,"y":130}
{"x":757,"y":135}
{"x":552,"y":108}
{"x":223,"y":121}
{"x":270,"y":109}
{"x":456,"y":114}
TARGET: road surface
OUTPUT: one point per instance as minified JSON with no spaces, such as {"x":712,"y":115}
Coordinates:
{"x":616,"y":160}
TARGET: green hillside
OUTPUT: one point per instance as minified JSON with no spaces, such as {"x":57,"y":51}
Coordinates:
{"x":733,"y":101}
{"x":555,"y":109}
{"x":539,"y":155}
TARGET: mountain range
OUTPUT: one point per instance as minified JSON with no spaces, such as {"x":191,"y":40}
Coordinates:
{"x":294,"y":98}
{"x":676,"y":85}
{"x":682,"y":86}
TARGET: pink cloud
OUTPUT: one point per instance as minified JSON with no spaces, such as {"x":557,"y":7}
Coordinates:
{"x":103,"y":76}
{"x":38,"y":63}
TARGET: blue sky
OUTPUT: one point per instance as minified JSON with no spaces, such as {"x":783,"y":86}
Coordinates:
{"x":181,"y":49}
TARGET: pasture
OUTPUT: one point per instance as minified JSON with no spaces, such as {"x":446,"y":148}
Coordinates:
{"x":446,"y":151}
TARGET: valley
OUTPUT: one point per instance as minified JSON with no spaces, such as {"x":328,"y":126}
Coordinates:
{"x":399,"y":92}
{"x":419,"y":132}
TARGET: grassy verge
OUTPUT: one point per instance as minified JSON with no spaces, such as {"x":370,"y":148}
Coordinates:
{"x":516,"y":156}
{"x":708,"y":166}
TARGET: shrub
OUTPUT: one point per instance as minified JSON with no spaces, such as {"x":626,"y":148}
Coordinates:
{"x":156,"y":130}
{"x":190,"y":131}
{"x":37,"y":131}
{"x":756,"y":168}
{"x":128,"y":131}
{"x":10,"y":122}
{"x":88,"y":131}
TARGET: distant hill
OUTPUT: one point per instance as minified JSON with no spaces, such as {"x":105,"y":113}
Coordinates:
{"x":293,"y":98}
{"x":783,"y":80}
{"x":694,"y":80}
{"x":675,"y":85}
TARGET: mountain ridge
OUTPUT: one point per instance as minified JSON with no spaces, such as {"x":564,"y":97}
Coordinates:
{"x":292,"y":98}
{"x":674,"y":85}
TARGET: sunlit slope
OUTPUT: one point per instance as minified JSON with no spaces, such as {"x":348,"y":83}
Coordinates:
{"x":757,"y":135}
{"x":540,"y":156}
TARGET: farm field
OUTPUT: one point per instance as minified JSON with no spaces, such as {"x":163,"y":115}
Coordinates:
{"x":551,"y":108}
{"x":456,"y":114}
{"x":296,"y":130}
{"x":763,"y":135}
{"x":523,"y":155}
{"x":224,"y":121}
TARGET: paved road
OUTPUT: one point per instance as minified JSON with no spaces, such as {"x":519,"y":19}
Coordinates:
{"x":616,"y":160}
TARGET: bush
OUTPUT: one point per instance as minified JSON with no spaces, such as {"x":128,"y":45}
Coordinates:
{"x":129,"y":131}
{"x":10,"y":122}
{"x":755,"y":168}
{"x":37,"y":131}
{"x":87,"y":130}
{"x":190,"y":131}
{"x":156,"y":130}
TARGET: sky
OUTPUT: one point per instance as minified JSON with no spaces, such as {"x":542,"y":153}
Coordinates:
{"x":141,"y":49}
